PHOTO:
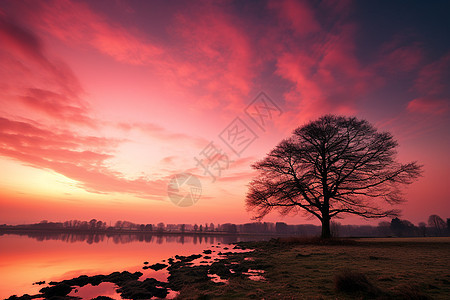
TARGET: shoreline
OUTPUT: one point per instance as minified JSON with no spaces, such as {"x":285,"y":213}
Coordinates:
{"x":289,"y":268}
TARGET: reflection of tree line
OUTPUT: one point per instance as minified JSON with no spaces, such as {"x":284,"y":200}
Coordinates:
{"x":94,"y":238}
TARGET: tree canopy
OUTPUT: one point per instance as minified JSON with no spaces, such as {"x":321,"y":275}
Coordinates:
{"x":330,"y":167}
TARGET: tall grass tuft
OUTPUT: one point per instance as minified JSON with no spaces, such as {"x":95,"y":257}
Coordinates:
{"x":351,"y":282}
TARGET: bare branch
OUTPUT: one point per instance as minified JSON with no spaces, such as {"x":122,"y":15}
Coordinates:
{"x":335,"y":165}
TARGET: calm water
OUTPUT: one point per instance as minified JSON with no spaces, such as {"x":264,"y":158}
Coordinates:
{"x":25,"y":259}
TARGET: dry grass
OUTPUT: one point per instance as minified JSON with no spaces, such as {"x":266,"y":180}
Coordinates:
{"x":351,"y":282}
{"x":387,"y":269}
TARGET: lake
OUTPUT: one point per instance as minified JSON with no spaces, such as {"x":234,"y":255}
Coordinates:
{"x":26,"y":259}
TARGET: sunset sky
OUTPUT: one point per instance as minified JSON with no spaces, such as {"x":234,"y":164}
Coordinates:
{"x":102,"y":102}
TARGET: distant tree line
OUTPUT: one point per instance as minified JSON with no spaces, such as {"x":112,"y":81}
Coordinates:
{"x":435,"y":226}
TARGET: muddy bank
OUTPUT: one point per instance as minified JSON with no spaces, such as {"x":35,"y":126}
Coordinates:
{"x":204,"y":271}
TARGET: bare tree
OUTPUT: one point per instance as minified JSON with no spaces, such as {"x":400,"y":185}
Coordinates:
{"x":423,"y":229}
{"x":437,"y":223}
{"x":160,"y":227}
{"x":330,"y":167}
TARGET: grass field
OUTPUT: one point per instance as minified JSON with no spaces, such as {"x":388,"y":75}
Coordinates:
{"x":391,"y":268}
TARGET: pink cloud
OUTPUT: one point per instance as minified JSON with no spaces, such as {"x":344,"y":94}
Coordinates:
{"x":168,"y":159}
{"x":298,"y":15}
{"x":433,"y":78}
{"x":42,"y":92}
{"x":238,"y":177}
{"x":220,"y":64}
{"x":433,"y":89}
{"x":23,"y":50}
{"x":80,"y":158}
{"x":57,"y":106}
{"x":428,"y":106}
{"x":399,"y":56}
{"x":62,"y":19}
{"x":211,"y":58}
{"x":163,"y":134}
{"x":402,"y":59}
{"x":21,"y":40}
{"x":326,"y":74}
{"x":36,"y":85}
{"x":221,"y":60}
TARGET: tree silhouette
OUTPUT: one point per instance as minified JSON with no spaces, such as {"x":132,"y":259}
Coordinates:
{"x":423,"y":229}
{"x":160,"y":227}
{"x":92,"y":224}
{"x":437,"y":223}
{"x":329,"y":167}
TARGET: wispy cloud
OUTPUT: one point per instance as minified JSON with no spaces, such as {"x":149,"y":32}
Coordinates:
{"x":24,"y":50}
{"x":57,"y":106}
{"x":321,"y":62}
{"x":163,"y":134}
{"x":80,"y":158}
{"x":220,"y":55}
{"x":429,"y":106}
{"x":76,"y":22}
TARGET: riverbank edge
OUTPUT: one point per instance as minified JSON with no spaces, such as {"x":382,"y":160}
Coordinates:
{"x":193,"y":282}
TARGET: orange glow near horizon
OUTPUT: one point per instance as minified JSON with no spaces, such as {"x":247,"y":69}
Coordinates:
{"x":101,"y":106}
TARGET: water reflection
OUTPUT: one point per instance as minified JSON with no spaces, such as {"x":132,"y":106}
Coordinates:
{"x":44,"y":256}
{"x":122,"y":238}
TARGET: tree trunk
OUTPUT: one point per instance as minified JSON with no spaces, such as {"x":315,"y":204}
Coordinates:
{"x":326,"y":233}
{"x":326,"y":230}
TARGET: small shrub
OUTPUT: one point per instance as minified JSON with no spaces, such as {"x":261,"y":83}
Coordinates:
{"x":351,"y":282}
